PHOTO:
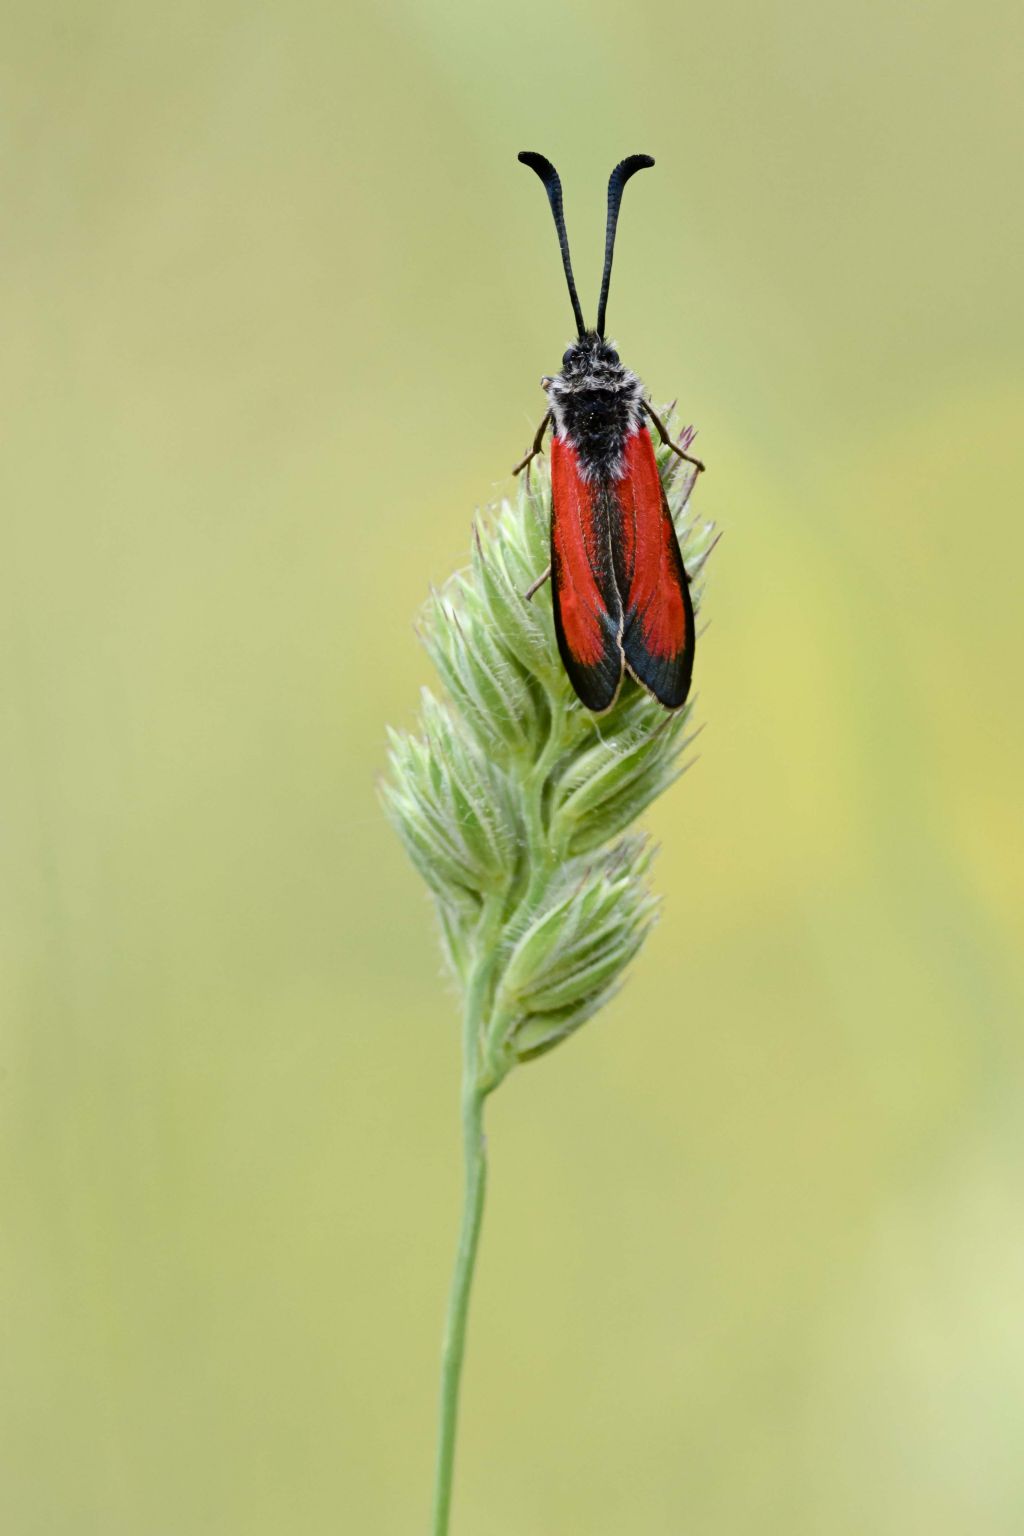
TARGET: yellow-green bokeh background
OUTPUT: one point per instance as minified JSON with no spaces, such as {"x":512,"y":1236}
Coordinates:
{"x":276,"y":297}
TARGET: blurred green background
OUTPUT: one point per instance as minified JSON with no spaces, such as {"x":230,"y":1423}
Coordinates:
{"x":276,"y":297}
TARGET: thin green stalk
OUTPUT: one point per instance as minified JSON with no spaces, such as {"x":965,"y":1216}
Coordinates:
{"x":475,"y":1161}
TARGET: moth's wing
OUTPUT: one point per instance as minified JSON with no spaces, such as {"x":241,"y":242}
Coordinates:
{"x":657,"y":611}
{"x":585,"y":594}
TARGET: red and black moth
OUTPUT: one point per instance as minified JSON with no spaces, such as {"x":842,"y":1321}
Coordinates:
{"x":620,"y":589}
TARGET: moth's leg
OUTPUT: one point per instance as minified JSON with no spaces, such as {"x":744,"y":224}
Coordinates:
{"x":537,"y":441}
{"x":666,"y":439}
{"x":525,"y":464}
{"x":530,"y":591}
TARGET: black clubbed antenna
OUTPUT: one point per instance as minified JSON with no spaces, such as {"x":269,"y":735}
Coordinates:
{"x":616,"y":184}
{"x":553,"y":187}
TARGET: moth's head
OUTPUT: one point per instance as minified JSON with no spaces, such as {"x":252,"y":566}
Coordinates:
{"x":590,"y":359}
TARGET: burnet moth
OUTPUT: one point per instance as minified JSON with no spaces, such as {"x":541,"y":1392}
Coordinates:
{"x":620,"y":590}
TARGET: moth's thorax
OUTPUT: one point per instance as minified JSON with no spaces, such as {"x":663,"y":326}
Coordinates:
{"x":596,"y":405}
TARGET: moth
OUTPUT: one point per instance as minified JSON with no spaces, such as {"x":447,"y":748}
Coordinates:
{"x":621,"y":594}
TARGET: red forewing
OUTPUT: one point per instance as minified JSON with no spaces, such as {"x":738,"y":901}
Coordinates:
{"x":585,"y":592}
{"x":657,"y":613}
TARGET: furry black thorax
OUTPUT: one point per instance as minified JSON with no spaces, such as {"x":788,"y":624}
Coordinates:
{"x":596,"y":404}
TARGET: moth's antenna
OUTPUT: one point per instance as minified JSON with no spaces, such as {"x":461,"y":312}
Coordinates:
{"x":616,"y":183}
{"x":553,"y":187}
